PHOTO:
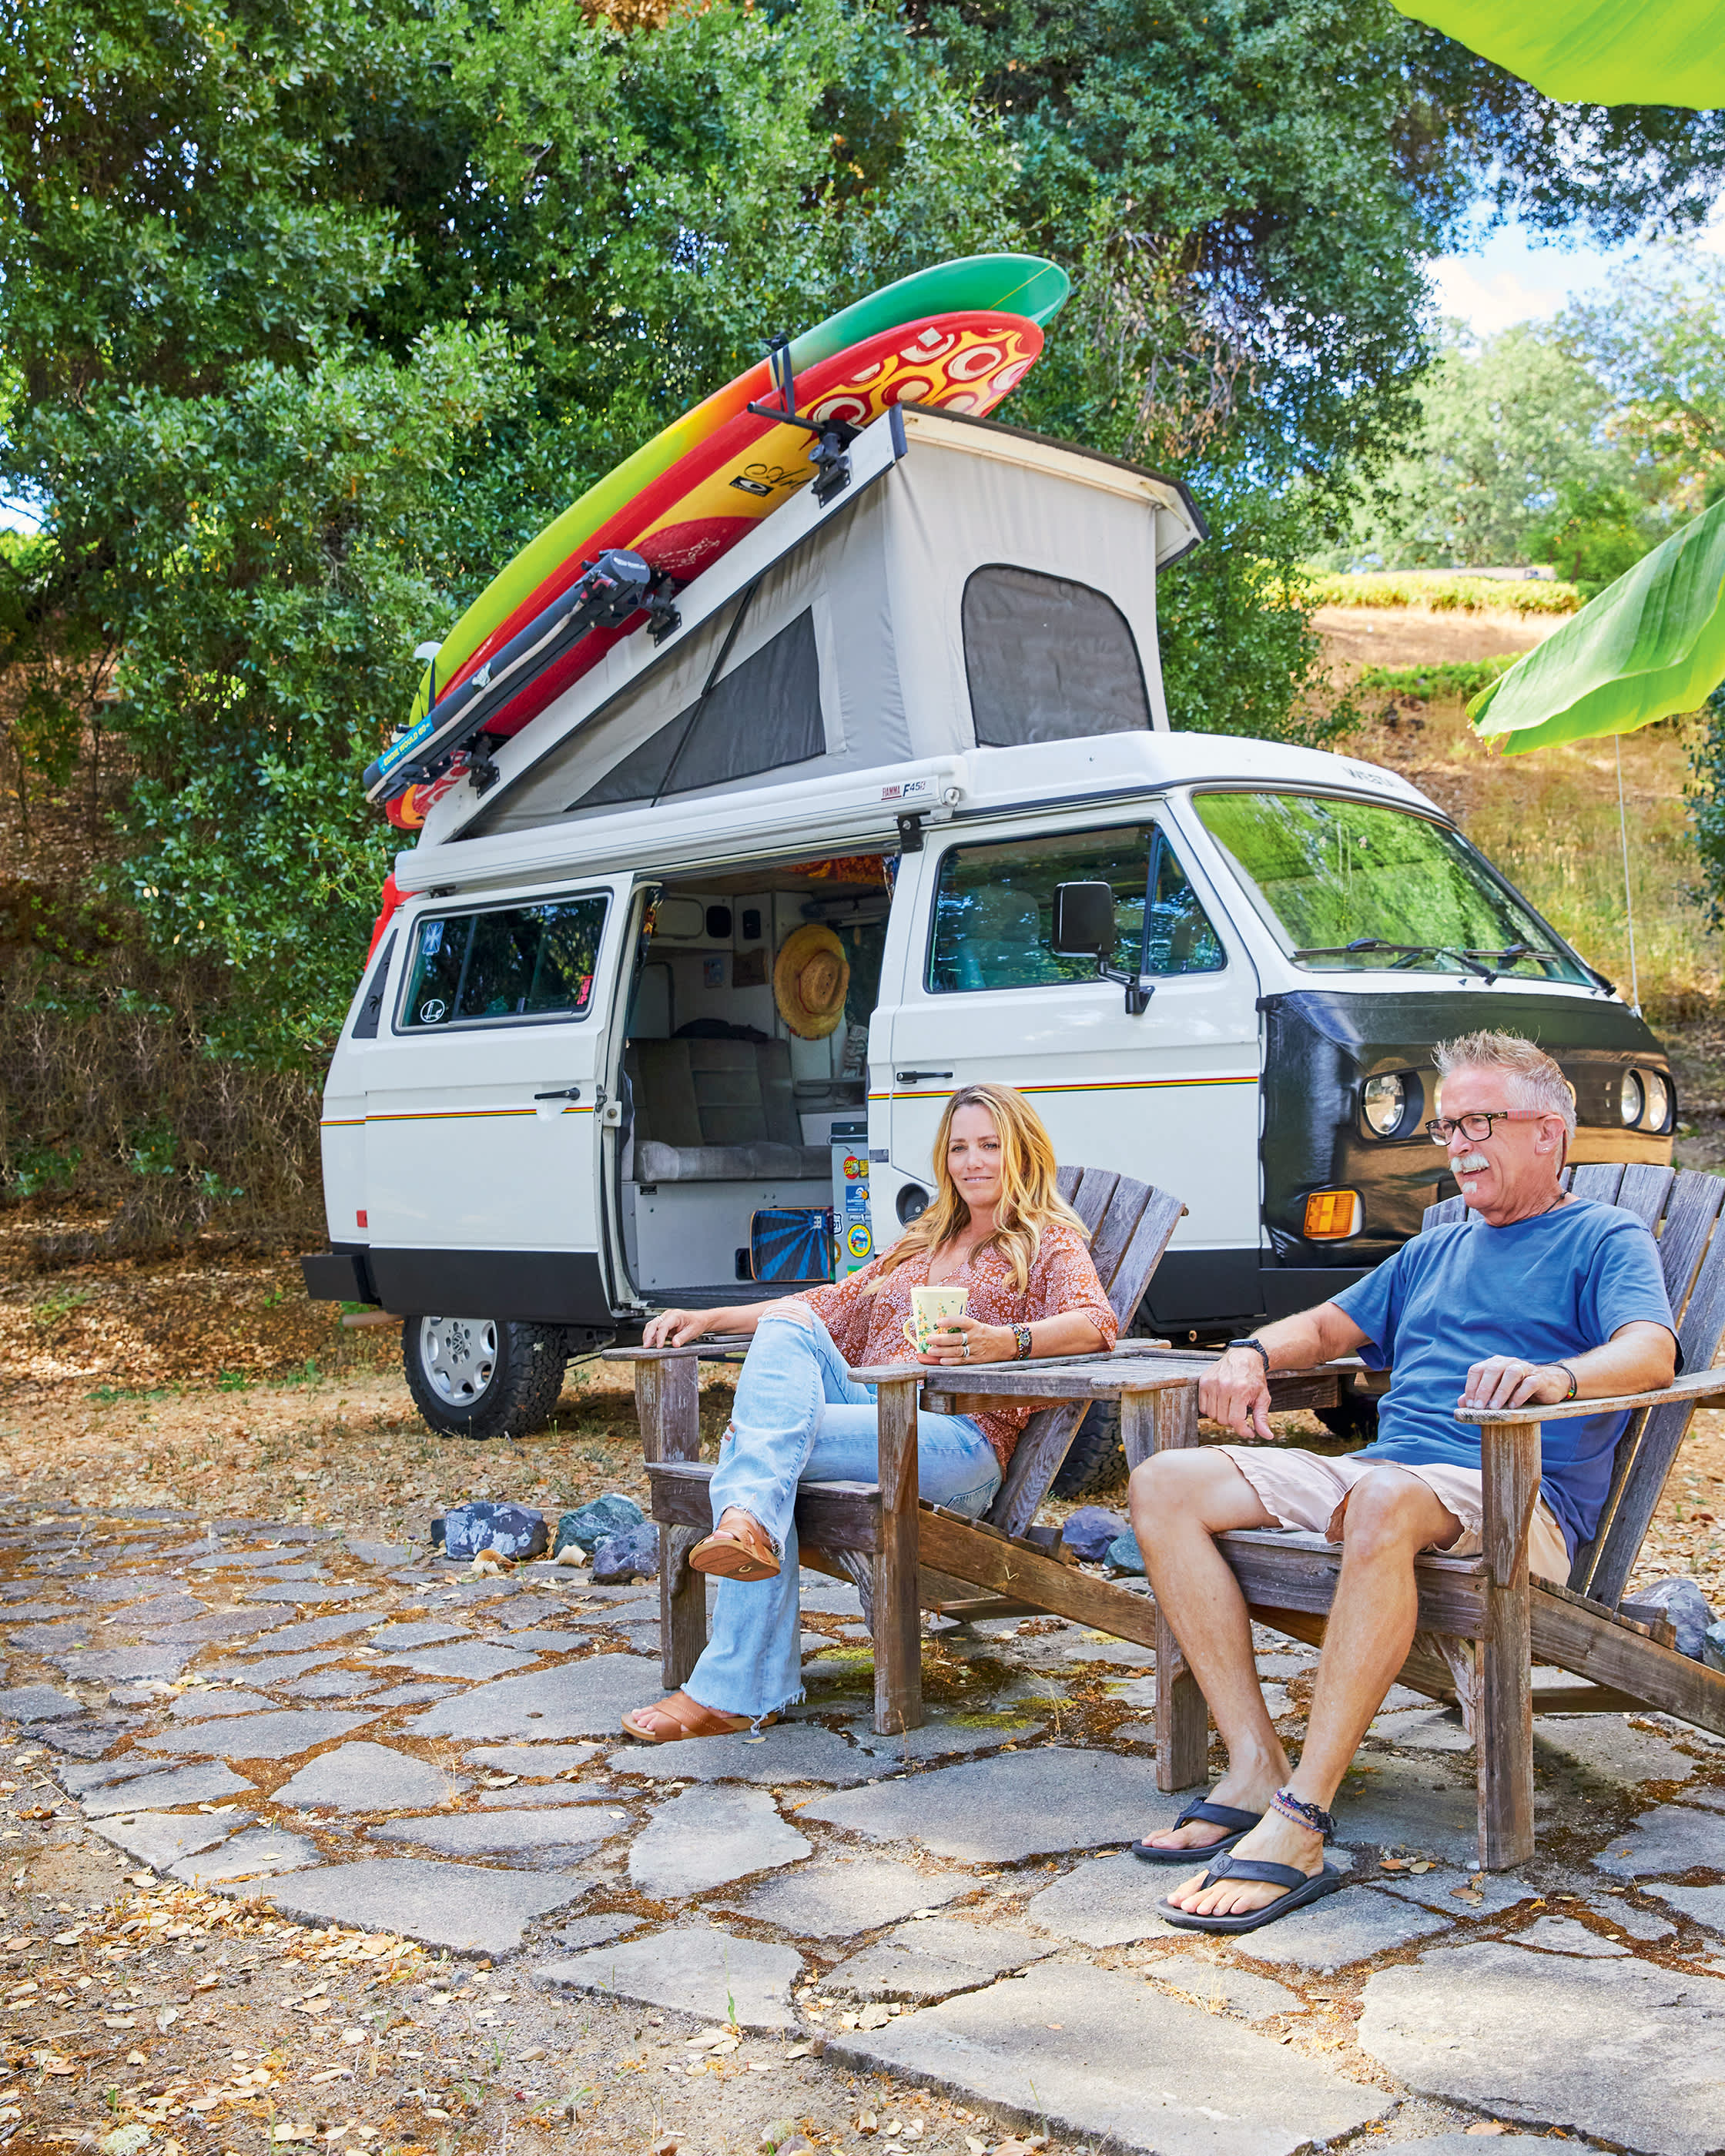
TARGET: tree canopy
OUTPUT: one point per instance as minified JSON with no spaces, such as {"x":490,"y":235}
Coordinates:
{"x":311,"y":315}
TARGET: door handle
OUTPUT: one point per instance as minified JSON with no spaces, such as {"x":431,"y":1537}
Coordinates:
{"x":562,"y":1093}
{"x":914,"y":1077}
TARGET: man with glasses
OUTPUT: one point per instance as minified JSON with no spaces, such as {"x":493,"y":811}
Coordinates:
{"x":1536,"y":1295}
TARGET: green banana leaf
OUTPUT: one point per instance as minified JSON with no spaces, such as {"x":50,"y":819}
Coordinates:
{"x":1649,"y":644}
{"x":1595,"y":52}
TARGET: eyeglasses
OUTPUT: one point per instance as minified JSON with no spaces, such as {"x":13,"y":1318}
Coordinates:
{"x":1477,"y":1127}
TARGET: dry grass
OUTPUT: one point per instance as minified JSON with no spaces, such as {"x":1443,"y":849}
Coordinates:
{"x":1550,"y":822}
{"x":126,"y":1134}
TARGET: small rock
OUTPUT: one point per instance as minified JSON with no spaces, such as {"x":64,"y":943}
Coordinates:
{"x":1091,"y":1531}
{"x":512,"y":1531}
{"x":631,"y":1555}
{"x":1124,"y":1555}
{"x":1712,"y":1645}
{"x":590,"y":1525}
{"x":1684,"y":1604}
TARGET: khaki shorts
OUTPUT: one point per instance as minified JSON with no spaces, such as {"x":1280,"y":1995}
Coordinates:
{"x":1309,"y":1490}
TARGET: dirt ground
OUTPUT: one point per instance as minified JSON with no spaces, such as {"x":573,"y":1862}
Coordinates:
{"x":1413,"y":636}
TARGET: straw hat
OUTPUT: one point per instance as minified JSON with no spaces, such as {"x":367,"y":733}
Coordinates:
{"x":810,"y":977}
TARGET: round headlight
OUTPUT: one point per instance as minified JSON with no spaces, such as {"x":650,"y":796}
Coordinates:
{"x":1385,"y":1102}
{"x":1634,"y":1098}
{"x":1658,"y":1111}
{"x":912,"y":1204}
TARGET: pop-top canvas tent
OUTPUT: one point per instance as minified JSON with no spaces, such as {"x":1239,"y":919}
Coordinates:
{"x":975,"y":586}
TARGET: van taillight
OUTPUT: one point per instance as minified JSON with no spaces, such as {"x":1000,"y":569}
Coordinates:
{"x":360,"y":1216}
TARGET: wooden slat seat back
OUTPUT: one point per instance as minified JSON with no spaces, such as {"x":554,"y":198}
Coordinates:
{"x":1682,"y":1209}
{"x":1130,"y":1224}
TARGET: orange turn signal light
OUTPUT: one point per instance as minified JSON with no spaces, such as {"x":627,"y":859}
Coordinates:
{"x":1331,"y":1214}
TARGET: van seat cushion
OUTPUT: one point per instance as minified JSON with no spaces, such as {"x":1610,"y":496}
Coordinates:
{"x":727,"y":1105}
{"x":665,"y":1106}
{"x":762,"y":1163}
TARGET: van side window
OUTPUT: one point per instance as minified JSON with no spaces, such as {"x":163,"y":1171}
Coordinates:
{"x":995,"y":910}
{"x":516,"y":962}
{"x":764,"y":713}
{"x":1047,"y":659}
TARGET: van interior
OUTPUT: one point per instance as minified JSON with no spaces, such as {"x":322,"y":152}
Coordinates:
{"x":729,"y":1111}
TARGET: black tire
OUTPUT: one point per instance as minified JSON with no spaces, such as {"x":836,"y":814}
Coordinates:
{"x":483,"y":1377}
{"x":1096,"y":1459}
{"x":1354,"y":1417}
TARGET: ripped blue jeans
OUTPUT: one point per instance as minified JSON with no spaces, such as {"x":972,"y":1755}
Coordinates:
{"x":799,"y":1415}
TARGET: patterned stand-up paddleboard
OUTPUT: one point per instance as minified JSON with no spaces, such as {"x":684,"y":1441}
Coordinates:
{"x":682,"y":502}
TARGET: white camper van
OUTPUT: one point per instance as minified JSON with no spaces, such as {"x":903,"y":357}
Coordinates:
{"x":675,"y":1001}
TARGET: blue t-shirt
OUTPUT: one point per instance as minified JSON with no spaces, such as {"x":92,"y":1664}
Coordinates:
{"x":1545,"y":1289}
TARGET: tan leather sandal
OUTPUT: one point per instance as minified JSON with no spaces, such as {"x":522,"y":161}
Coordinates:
{"x":670,"y":1720}
{"x":739,"y":1553}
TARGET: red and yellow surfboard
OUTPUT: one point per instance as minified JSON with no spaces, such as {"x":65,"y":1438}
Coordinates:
{"x":687,"y":513}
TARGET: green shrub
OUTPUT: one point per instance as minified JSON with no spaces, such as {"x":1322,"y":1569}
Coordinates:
{"x":1443,"y":594}
{"x":1456,"y":679}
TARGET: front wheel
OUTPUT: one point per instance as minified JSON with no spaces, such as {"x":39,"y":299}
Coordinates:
{"x":483,"y":1377}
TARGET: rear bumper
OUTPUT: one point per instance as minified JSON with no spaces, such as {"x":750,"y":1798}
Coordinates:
{"x":545,"y":1287}
{"x":341,"y":1275}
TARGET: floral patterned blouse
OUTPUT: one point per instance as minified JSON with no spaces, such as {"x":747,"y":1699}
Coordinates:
{"x":869,"y":1328}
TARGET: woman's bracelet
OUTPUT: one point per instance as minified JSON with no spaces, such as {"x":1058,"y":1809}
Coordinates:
{"x":1021,"y":1338}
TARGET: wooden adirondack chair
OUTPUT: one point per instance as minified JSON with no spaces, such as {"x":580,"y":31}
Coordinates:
{"x":1484,"y":1624}
{"x":866,"y":1532}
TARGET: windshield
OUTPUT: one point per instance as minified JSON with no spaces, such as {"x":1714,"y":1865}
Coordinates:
{"x":1349,"y":887}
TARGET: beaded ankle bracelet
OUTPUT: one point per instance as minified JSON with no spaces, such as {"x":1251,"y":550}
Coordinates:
{"x":1296,"y":1808}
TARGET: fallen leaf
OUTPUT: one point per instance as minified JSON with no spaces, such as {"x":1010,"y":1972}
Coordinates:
{"x":1392,"y":1863}
{"x":166,"y":2017}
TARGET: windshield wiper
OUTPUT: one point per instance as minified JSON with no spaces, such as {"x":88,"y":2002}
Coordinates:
{"x":1361,"y":943}
{"x":1511,"y":954}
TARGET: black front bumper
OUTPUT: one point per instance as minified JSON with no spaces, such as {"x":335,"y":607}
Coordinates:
{"x":1322,"y":1045}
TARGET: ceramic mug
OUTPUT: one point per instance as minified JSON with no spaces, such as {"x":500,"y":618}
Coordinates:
{"x":931,"y":1308}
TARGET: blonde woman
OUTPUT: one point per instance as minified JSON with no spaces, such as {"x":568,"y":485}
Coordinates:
{"x":997,"y":1228}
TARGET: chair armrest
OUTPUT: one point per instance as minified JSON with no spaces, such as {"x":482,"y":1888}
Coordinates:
{"x":1699,"y":1387}
{"x":706,"y":1349}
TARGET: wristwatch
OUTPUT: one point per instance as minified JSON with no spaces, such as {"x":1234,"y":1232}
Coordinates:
{"x":1257,"y":1348}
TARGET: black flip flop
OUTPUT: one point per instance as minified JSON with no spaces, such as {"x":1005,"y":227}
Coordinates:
{"x":1238,"y":1823}
{"x":1302,"y":1888}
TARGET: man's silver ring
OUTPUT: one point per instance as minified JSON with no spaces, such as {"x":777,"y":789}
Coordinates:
{"x":967,"y":1351}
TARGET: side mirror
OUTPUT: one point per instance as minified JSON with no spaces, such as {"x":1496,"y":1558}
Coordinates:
{"x":1084,"y":927}
{"x":1083,"y":921}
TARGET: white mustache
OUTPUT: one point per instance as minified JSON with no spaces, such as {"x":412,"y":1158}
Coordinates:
{"x":1471,"y":1163}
